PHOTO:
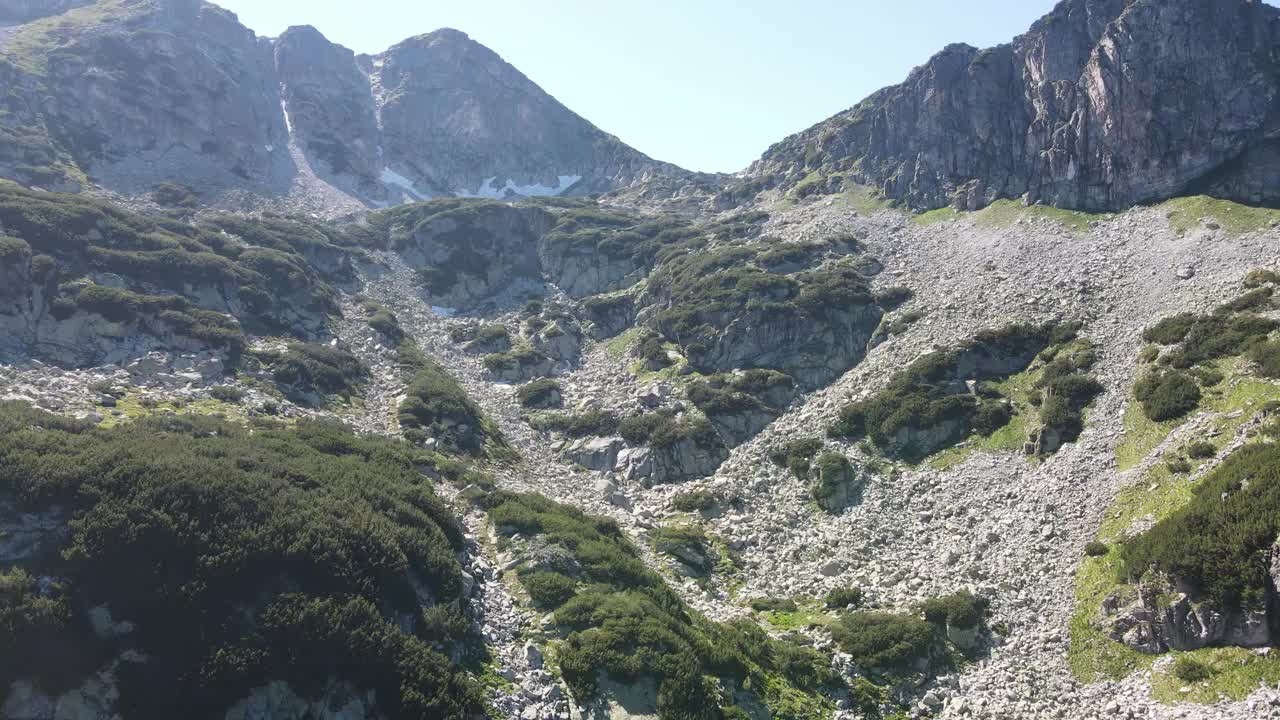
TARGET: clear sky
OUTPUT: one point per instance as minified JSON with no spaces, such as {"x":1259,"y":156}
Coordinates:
{"x":706,"y":84}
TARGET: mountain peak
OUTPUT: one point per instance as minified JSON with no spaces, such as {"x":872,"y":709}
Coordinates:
{"x":1101,"y":105}
{"x":305,"y":120}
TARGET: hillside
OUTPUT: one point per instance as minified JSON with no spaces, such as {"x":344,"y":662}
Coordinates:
{"x":544,"y":456}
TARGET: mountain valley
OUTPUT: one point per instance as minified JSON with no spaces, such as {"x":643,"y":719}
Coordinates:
{"x":349,"y":386}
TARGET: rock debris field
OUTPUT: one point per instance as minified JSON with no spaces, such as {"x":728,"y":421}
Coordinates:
{"x":999,"y":524}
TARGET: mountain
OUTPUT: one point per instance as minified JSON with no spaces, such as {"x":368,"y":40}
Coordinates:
{"x":270,"y":450}
{"x":127,"y":94}
{"x":1101,"y":105}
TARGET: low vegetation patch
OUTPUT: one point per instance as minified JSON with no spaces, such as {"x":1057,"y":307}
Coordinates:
{"x":308,"y":370}
{"x":541,"y":393}
{"x":436,"y":407}
{"x":624,"y":621}
{"x":241,"y":553}
{"x":930,"y":399}
{"x":1215,"y":541}
{"x":796,"y":455}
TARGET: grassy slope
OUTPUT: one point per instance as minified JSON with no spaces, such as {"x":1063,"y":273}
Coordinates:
{"x":1092,"y":655}
{"x":1186,"y":214}
{"x":1004,"y":213}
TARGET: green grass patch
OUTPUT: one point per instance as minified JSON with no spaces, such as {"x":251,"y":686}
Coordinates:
{"x":864,"y":200}
{"x":1186,"y":213}
{"x":1239,"y":392}
{"x":1092,"y":656}
{"x":1004,"y":213}
{"x":1234,"y":673}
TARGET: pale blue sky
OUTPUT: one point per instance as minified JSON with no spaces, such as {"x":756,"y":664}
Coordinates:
{"x":706,"y":84}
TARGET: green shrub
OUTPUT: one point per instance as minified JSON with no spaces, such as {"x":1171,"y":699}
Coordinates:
{"x":436,"y":406}
{"x":1267,"y":357}
{"x":959,"y":610}
{"x":833,"y":468}
{"x":1206,"y":376}
{"x":1200,"y":338}
{"x":1171,"y":330}
{"x":384,"y":321}
{"x":1167,"y":394}
{"x":627,"y":623}
{"x":841,"y":598}
{"x":927,"y":393}
{"x":597,"y":423}
{"x":1259,"y":277}
{"x":796,"y":455}
{"x":1096,"y":549}
{"x":893,"y":297}
{"x":1259,"y":299}
{"x":539,"y":393}
{"x":1178,"y":466}
{"x":311,"y":368}
{"x":32,"y":624}
{"x":1149,"y":354}
{"x":1215,"y":543}
{"x":640,"y":429}
{"x":520,"y":356}
{"x":991,"y":416}
{"x":174,"y":195}
{"x":882,"y":641}
{"x":1201,"y":450}
{"x":227,"y":393}
{"x":694,"y":501}
{"x":774,"y":605}
{"x":652,"y":349}
{"x":1191,"y":670}
{"x":193,"y":527}
{"x":549,"y":589}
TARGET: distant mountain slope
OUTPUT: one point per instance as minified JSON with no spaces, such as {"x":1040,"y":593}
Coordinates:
{"x":125,"y":94}
{"x":1101,"y":105}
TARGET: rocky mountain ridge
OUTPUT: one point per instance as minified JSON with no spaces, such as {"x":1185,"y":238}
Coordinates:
{"x":558,"y":458}
{"x":1101,"y":105}
{"x":143,"y":92}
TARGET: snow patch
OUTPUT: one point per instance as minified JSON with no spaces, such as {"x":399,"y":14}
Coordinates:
{"x":487,"y":189}
{"x":288,"y":124}
{"x":444,"y":311}
{"x":391,"y":177}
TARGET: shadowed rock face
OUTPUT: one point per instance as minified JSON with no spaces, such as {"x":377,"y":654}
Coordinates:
{"x":135,"y":93}
{"x":457,"y":115}
{"x":330,"y":107}
{"x":20,"y":11}
{"x":1101,"y":105}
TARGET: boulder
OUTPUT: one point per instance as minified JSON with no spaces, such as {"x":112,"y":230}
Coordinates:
{"x":685,"y":459}
{"x":835,"y":483}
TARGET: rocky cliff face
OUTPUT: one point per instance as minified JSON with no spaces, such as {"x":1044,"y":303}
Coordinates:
{"x":20,"y":11}
{"x":144,"y":92}
{"x":1101,"y":105}
{"x":461,"y":121}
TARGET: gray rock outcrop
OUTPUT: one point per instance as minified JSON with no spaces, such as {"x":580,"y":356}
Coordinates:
{"x":1103,"y":104}
{"x":330,"y":109}
{"x":1156,"y":617}
{"x":686,"y":459}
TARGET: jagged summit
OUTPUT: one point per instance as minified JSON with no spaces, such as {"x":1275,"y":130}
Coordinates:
{"x":182,"y":90}
{"x":1101,"y":105}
